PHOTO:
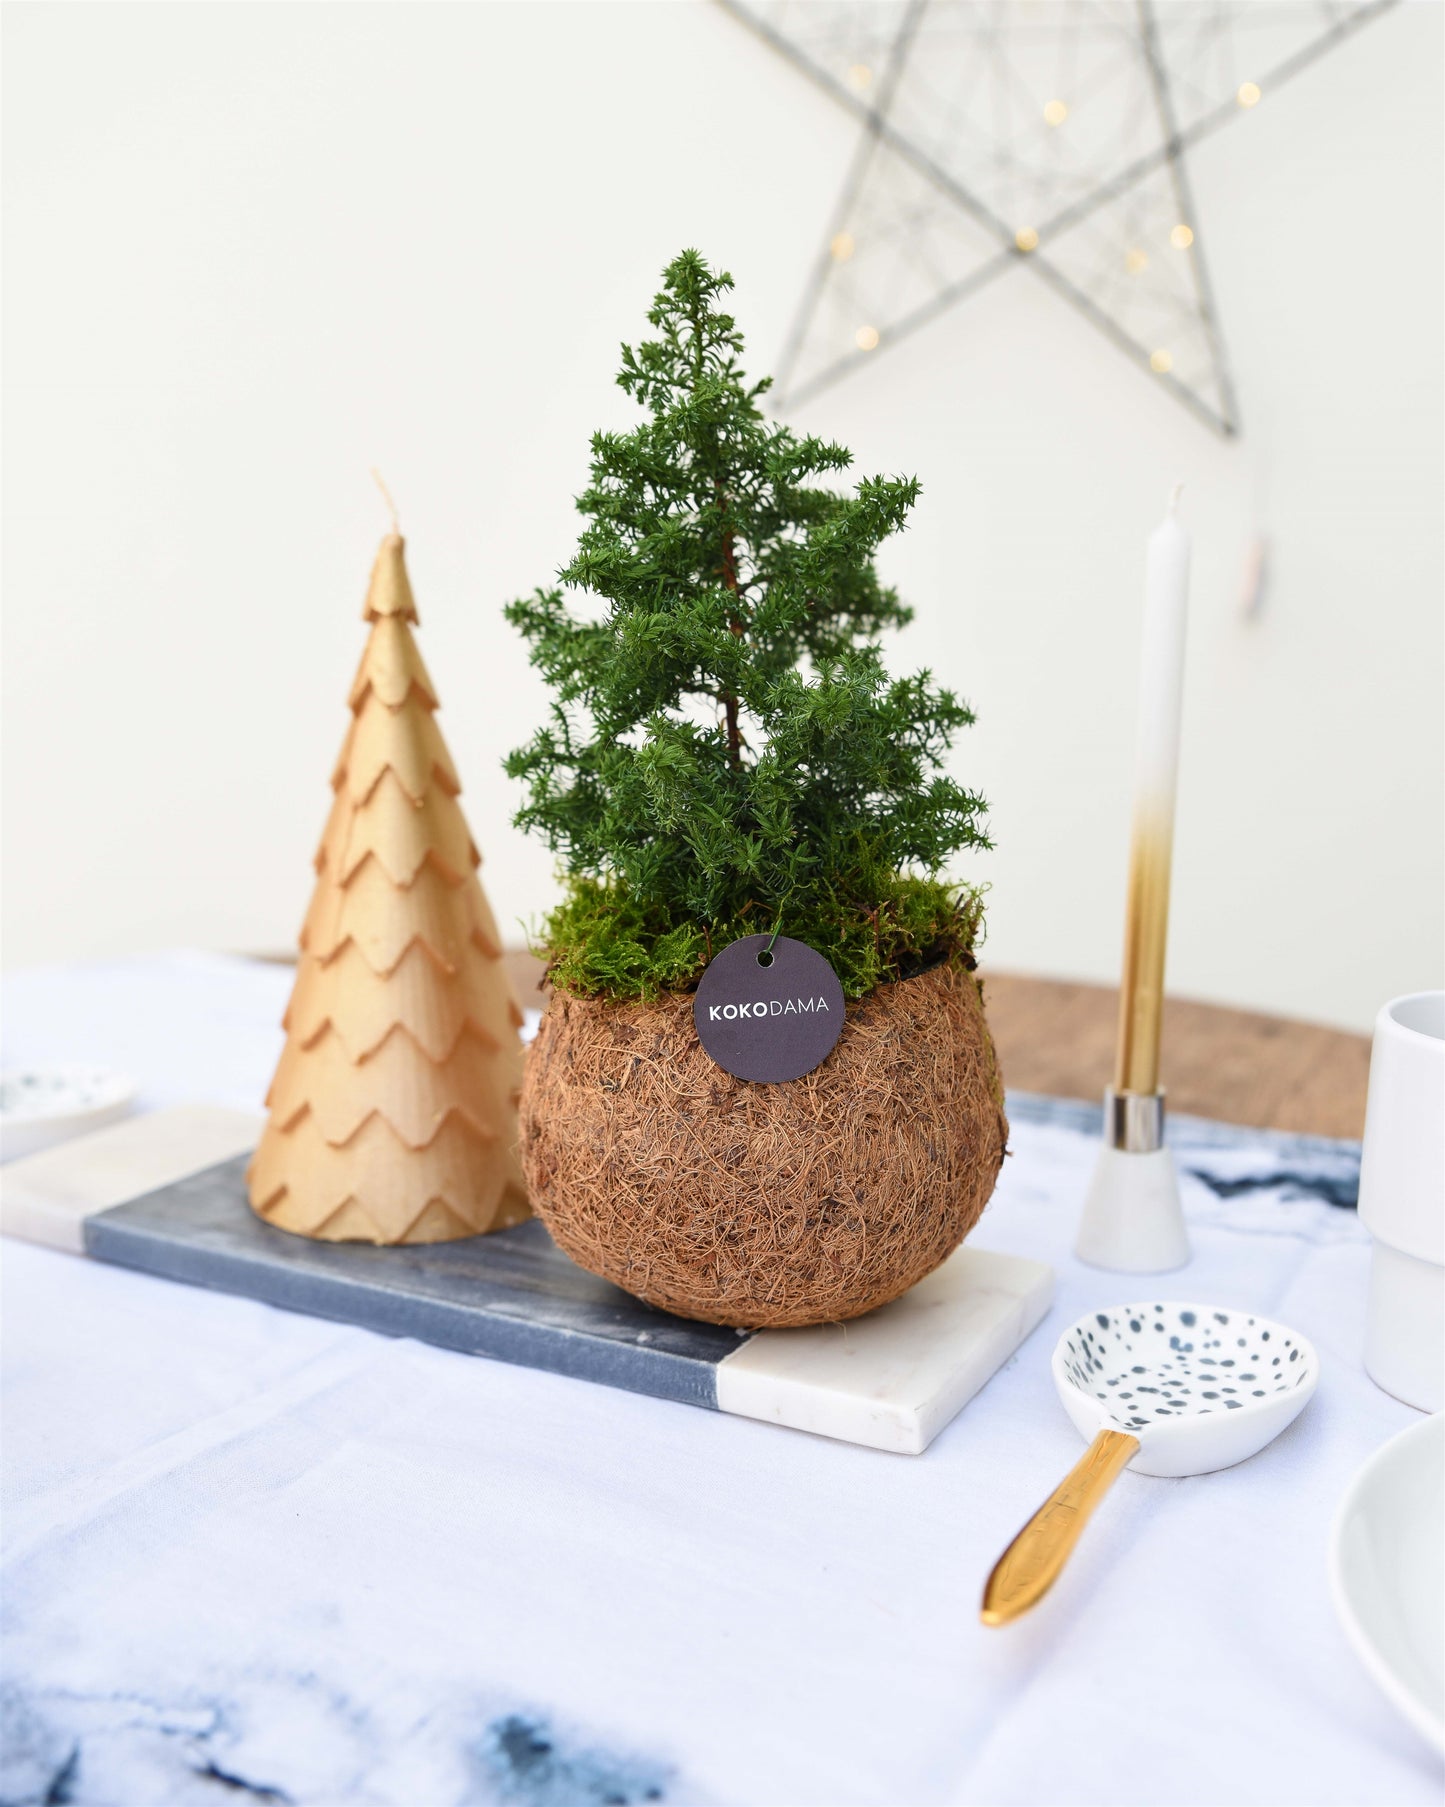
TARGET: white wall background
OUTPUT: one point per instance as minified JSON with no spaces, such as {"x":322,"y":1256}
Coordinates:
{"x":253,"y":249}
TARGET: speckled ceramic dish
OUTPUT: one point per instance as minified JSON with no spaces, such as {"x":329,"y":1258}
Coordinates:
{"x":1387,"y":1572}
{"x":1199,"y":1386}
{"x":1166,"y":1389}
{"x":40,"y":1106}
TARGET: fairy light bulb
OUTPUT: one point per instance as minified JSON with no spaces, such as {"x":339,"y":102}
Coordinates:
{"x":860,"y":77}
{"x":1182,"y":237}
{"x":866,"y":338}
{"x":1055,"y":112}
{"x":842,"y":247}
{"x":1247,"y":94}
{"x":1160,"y":362}
{"x":1136,"y":261}
{"x":1026,"y":239}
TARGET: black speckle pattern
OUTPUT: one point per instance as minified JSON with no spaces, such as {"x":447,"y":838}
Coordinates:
{"x":1178,"y":1352}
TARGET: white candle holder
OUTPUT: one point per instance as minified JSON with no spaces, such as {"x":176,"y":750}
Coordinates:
{"x":1133,"y":1222}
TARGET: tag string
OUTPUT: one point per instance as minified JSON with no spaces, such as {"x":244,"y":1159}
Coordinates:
{"x":776,"y":932}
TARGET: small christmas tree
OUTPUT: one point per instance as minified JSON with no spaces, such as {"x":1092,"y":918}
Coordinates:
{"x":393,"y":1109}
{"x":727,"y":754}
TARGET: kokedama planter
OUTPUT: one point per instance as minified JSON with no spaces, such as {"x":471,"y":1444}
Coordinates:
{"x":764,"y":1205}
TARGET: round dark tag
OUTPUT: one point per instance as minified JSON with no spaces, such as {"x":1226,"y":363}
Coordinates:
{"x":768,"y":1016}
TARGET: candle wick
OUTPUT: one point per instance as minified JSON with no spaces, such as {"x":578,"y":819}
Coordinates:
{"x":386,"y":497}
{"x":1174,"y":495}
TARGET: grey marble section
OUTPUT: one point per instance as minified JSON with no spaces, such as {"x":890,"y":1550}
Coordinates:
{"x":512,"y":1295}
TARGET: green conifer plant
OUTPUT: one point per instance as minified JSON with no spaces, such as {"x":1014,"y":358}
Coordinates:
{"x":727,"y":754}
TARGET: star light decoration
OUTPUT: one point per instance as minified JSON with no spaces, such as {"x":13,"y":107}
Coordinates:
{"x":1049,"y":133}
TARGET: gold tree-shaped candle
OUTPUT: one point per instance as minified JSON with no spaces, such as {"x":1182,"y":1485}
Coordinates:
{"x":393,"y":1108}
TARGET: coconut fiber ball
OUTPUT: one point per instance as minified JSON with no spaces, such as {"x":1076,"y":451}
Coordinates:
{"x":752,"y":1205}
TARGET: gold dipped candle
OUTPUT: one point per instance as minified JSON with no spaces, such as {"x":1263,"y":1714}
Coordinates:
{"x":1133,"y":1220}
{"x":1161,"y":687}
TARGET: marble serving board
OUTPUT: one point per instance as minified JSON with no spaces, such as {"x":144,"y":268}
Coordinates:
{"x":140,"y":1196}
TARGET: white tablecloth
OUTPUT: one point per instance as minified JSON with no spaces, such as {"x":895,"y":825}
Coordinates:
{"x":256,"y":1556}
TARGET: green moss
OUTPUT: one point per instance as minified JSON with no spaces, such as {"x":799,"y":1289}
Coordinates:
{"x":602,"y":940}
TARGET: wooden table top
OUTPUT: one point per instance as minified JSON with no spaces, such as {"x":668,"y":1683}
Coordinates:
{"x":1241,"y":1067}
{"x":1267,"y":1071}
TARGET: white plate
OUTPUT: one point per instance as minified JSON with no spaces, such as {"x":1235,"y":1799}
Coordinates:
{"x":1387,"y":1572}
{"x":40,"y":1106}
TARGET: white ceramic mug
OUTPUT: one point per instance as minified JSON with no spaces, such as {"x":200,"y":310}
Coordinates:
{"x":1402,"y":1200}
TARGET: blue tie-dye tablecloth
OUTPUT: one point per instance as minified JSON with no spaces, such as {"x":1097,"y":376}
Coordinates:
{"x":253,"y":1556}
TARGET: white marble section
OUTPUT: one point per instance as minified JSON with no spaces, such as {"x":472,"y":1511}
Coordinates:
{"x":893,"y":1379}
{"x":47,"y":1197}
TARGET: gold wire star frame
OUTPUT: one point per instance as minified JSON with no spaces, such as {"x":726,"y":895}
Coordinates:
{"x":1048,"y":133}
